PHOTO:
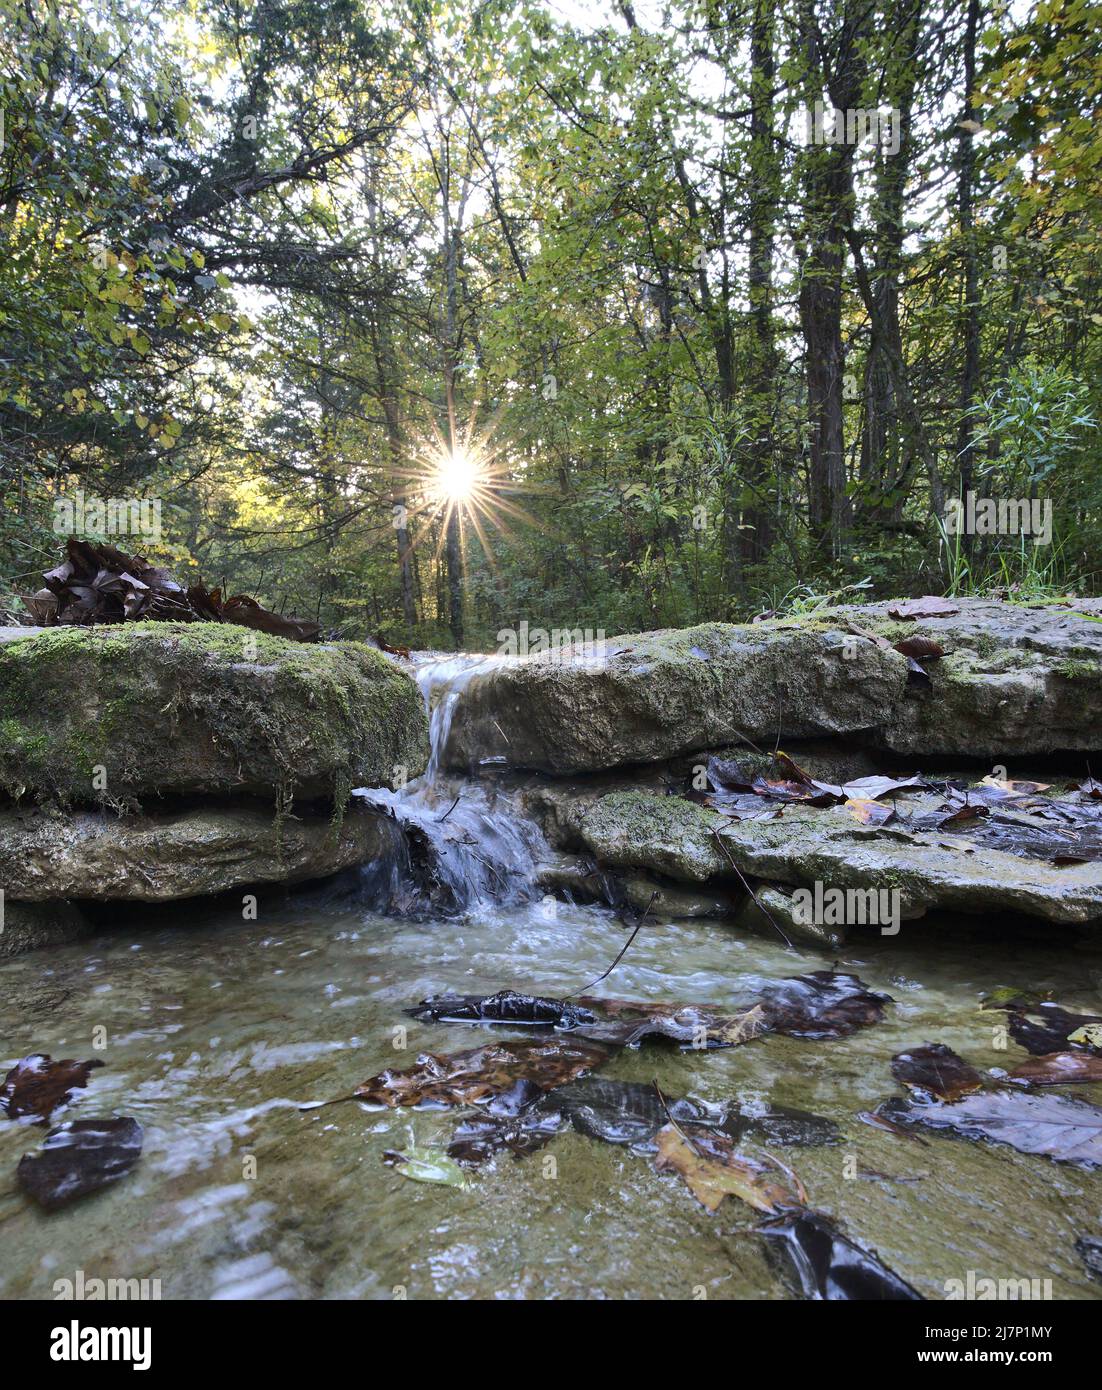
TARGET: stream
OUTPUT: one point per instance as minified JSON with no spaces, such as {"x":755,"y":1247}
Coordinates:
{"x":218,"y":1032}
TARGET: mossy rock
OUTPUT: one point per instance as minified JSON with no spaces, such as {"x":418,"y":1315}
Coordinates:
{"x":1013,"y":681}
{"x":115,"y":715}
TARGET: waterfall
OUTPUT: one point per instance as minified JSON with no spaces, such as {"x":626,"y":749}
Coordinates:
{"x":465,"y":842}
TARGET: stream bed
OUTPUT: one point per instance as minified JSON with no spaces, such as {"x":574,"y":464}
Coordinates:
{"x":218,"y":1031}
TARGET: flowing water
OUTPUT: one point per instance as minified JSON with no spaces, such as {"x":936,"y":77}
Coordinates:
{"x":218,"y":1032}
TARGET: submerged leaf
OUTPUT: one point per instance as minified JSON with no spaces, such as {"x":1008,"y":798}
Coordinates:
{"x":712,"y":1170}
{"x":80,"y":1157}
{"x":517,"y":1069}
{"x":480,"y":1136}
{"x":1069,"y":1131}
{"x":822,"y":1004}
{"x":508,"y":1006}
{"x":1047,"y":1028}
{"x":426,"y":1165}
{"x":38,"y":1086}
{"x":1058,"y":1068}
{"x":936,"y":1070}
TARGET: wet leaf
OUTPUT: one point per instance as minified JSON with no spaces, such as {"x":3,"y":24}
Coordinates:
{"x":426,"y":1165}
{"x":1069,"y":1131}
{"x":727,"y":774}
{"x":481,"y":1136}
{"x":690,"y":1025}
{"x":822,"y":1004}
{"x":935,"y":1070}
{"x":928,"y":607}
{"x":624,"y":1112}
{"x":1058,"y":1068}
{"x":1048,"y":1028}
{"x":1090,"y":1035}
{"x":78,"y":1158}
{"x":830,"y":1266}
{"x":1008,"y":997}
{"x":38,"y":1086}
{"x":713,"y":1170}
{"x":519,"y":1070}
{"x":920,"y":648}
{"x":508,"y":1007}
{"x":876,"y":1119}
{"x":384,"y":646}
{"x":780,"y":1125}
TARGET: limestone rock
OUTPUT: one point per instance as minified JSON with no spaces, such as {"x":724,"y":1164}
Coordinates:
{"x":111,"y":715}
{"x":690,"y":843}
{"x":1013,"y":681}
{"x":156,"y":858}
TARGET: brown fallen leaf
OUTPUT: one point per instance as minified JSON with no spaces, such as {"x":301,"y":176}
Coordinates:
{"x":920,"y":648}
{"x":1047,"y":1027}
{"x":385,"y":646}
{"x":713,"y":1170}
{"x":39,"y":1086}
{"x":519,"y":1069}
{"x":936,"y":1070}
{"x":821,"y":1004}
{"x":928,"y":607}
{"x":1057,"y":1068}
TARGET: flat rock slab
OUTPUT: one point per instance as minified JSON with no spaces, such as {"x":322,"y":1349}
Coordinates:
{"x":1013,"y":681}
{"x":111,"y":715}
{"x":689,"y":843}
{"x":99,"y":856}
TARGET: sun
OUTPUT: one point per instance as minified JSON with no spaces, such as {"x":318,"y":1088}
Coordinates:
{"x":458,"y":476}
{"x":462,"y":480}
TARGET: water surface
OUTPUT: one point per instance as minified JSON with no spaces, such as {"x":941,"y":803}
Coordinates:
{"x":218,"y":1031}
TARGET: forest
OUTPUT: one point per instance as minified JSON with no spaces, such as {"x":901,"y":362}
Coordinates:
{"x":424,"y":319}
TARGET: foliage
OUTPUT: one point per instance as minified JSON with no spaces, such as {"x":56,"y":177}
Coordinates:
{"x":266,"y":263}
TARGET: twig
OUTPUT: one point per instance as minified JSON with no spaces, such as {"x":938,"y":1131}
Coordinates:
{"x":742,"y":879}
{"x":440,"y":819}
{"x":623,"y":952}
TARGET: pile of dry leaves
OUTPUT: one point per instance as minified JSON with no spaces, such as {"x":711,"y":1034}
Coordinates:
{"x":96,"y":583}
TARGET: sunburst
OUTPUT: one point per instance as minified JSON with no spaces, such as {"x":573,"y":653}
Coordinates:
{"x":465,"y":477}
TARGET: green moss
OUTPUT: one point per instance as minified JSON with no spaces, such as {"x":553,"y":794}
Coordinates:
{"x":1073,"y":669}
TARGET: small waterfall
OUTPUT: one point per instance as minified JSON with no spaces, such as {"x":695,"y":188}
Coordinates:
{"x":465,"y":841}
{"x":442,"y":680}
